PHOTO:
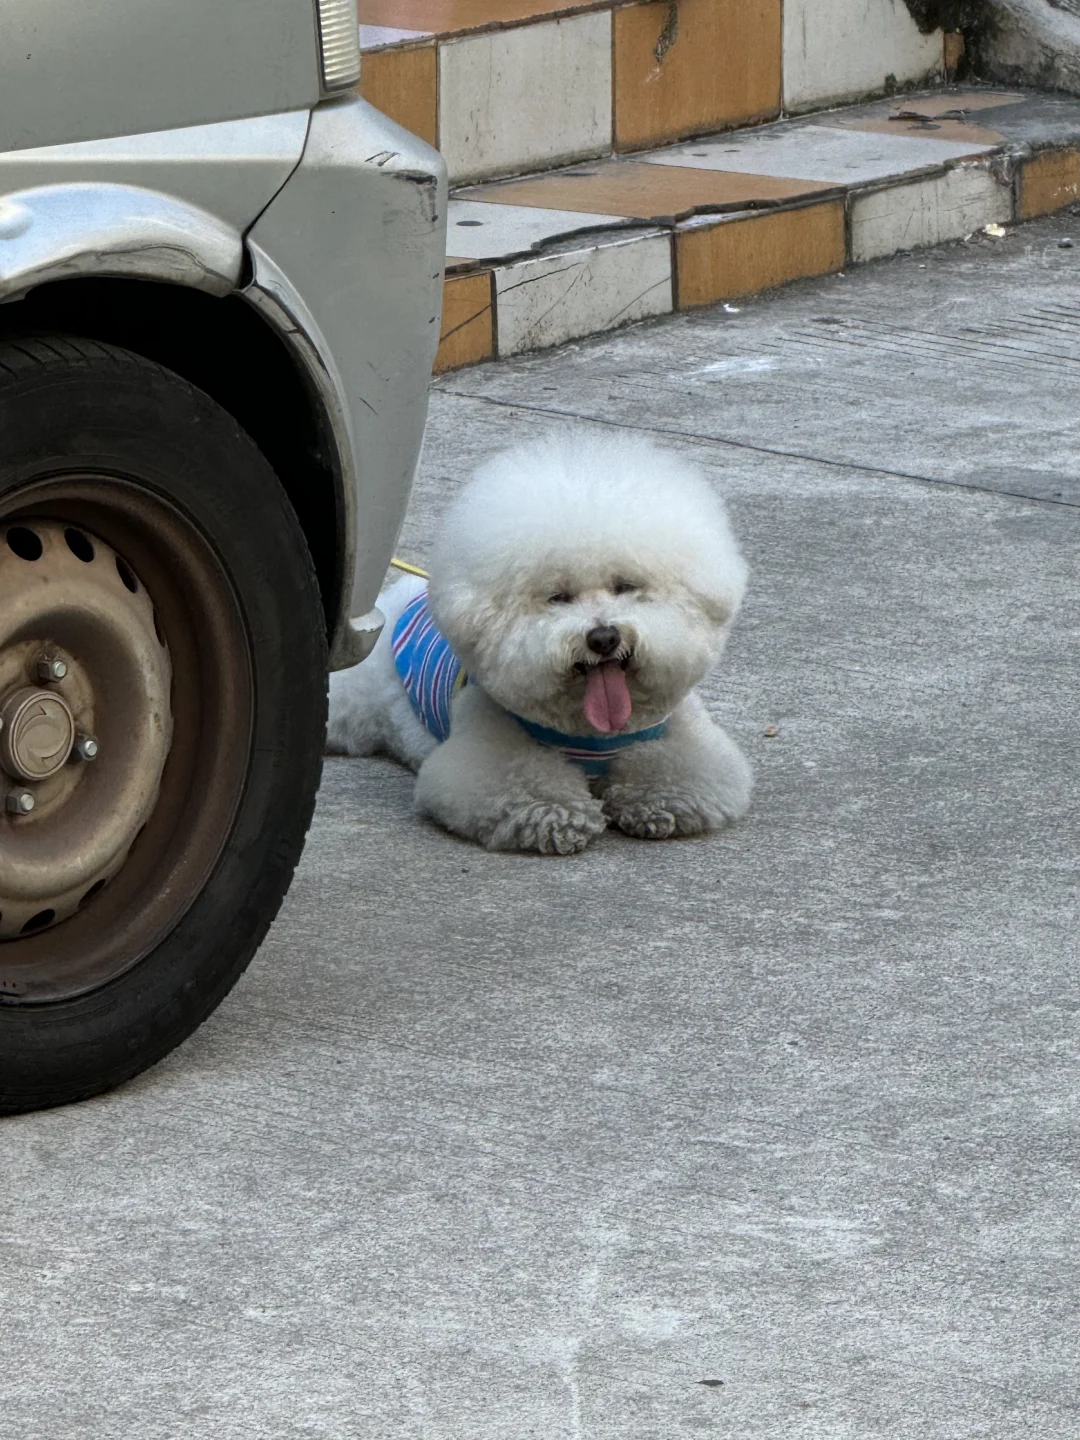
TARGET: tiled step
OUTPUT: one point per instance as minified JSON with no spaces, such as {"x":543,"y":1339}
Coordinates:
{"x":508,"y":86}
{"x":536,"y":261}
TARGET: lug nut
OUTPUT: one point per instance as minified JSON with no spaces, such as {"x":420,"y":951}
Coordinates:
{"x":19,"y":802}
{"x":49,"y":667}
{"x":85,"y":748}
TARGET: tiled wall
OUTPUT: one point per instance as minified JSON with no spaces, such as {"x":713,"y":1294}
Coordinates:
{"x":508,"y":86}
{"x":525,"y":97}
{"x":844,"y":49}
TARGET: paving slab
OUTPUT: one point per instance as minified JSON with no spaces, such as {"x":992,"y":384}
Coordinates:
{"x":770,"y":1134}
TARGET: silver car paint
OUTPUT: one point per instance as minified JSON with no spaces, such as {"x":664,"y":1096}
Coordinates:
{"x":351,"y":255}
{"x":346,"y":258}
{"x":232,"y":169}
{"x":60,"y":232}
{"x":96,"y":68}
{"x":170,"y":206}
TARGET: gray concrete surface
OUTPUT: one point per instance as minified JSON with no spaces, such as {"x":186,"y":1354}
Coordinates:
{"x":770,"y":1135}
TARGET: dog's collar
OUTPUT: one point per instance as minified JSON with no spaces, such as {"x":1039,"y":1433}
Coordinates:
{"x":431,"y":675}
{"x":593,"y":753}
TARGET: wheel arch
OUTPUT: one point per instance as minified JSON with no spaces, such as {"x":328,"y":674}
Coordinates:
{"x":226,"y":348}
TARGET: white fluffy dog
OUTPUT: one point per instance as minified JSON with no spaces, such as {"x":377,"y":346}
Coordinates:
{"x":585,"y":585}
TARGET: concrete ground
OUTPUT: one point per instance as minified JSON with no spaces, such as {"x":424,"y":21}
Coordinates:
{"x":768,"y":1135}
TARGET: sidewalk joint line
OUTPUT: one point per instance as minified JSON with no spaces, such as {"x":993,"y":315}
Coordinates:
{"x":761,"y":449}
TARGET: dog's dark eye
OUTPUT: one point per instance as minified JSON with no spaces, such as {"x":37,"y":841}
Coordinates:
{"x":624,"y":587}
{"x":561,"y":597}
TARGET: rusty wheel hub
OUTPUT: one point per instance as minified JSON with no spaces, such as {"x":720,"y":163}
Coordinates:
{"x":85,"y":719}
{"x":37,"y":733}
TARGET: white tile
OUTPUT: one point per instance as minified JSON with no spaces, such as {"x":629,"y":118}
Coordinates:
{"x":817,"y":152}
{"x":526,"y":97}
{"x":557,"y":297}
{"x":378,"y":37}
{"x":927,"y":212}
{"x":476,"y":230}
{"x":843,"y":49}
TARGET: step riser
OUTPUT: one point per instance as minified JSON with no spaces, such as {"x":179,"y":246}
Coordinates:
{"x":599,"y":283}
{"x":524,"y":97}
{"x":521,"y":87}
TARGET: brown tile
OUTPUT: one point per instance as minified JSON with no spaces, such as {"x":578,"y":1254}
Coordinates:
{"x":402,"y":84}
{"x":930,"y":129}
{"x":457,"y":17}
{"x":741,"y":257}
{"x":468,"y":323}
{"x":683,"y":67}
{"x":953,"y":114}
{"x":944,"y":101}
{"x":643,"y":192}
{"x":1047,"y":182}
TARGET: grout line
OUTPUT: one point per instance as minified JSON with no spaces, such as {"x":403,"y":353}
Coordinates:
{"x":852,"y":465}
{"x":614,"y":92}
{"x":493,"y":294}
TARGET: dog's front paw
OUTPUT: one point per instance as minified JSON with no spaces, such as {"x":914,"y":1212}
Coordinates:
{"x":657,"y":817}
{"x":548,"y":828}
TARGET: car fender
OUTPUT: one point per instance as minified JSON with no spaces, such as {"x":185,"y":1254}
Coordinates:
{"x":61,"y":232}
{"x":347,"y":264}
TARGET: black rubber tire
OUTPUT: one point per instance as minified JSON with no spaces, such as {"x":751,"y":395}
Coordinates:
{"x":77,"y":403}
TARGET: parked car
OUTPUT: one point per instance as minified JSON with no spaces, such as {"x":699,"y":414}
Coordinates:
{"x":220,"y":289}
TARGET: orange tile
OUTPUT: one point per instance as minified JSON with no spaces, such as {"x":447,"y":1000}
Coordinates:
{"x":931,"y":129}
{"x":946,"y":101}
{"x":950,"y":103}
{"x":458,"y":17}
{"x":643,"y":192}
{"x":683,"y":67}
{"x":468,"y":321}
{"x":1047,"y":182}
{"x":402,"y":84}
{"x":741,"y":257}
{"x":946,"y":115}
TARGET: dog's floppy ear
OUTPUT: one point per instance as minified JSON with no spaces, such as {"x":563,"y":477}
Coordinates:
{"x":720,"y":609}
{"x":720,"y":594}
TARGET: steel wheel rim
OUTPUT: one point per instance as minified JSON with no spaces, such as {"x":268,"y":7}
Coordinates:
{"x":158,"y":671}
{"x":82,"y":766}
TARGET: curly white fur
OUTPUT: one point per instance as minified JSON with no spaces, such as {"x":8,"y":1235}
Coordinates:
{"x":547,"y":543}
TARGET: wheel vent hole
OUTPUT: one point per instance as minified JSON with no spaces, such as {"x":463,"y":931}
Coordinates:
{"x":97,"y":886}
{"x":39,"y":921}
{"x":158,"y":630}
{"x":126,"y":576}
{"x":24,"y":543}
{"x":80,"y":545}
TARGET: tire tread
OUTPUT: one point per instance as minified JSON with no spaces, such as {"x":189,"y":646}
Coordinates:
{"x":55,"y":1054}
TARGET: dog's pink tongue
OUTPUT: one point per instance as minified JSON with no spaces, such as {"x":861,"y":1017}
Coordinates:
{"x":607,"y":698}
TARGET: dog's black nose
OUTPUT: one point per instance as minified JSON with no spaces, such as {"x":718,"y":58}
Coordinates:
{"x":603,"y":639}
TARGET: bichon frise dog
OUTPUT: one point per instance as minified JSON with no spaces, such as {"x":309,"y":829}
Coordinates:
{"x":542,"y":682}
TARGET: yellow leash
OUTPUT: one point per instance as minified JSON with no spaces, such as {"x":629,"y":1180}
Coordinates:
{"x":409,"y":569}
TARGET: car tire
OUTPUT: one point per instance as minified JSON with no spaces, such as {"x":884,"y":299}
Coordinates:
{"x":160,"y":618}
